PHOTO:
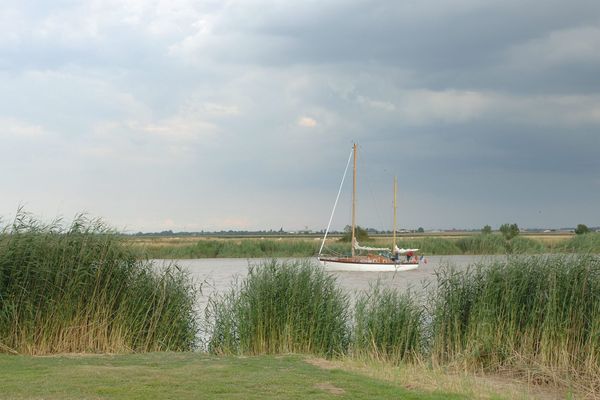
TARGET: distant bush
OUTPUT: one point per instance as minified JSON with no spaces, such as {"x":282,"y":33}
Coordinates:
{"x":581,"y":229}
{"x":361,"y":234}
{"x":509,"y":231}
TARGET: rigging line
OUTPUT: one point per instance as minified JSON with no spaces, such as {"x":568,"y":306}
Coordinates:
{"x":334,"y":252}
{"x":336,"y":201}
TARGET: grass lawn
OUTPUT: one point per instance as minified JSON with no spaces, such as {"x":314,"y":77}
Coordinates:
{"x":189,"y":376}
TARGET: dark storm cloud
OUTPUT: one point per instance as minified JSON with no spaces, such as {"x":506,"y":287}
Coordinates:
{"x":448,"y":44}
{"x":415,"y":33}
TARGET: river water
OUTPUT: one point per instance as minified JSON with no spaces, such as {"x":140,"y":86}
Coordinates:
{"x":215,"y":275}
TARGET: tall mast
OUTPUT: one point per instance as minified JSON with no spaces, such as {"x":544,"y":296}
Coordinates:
{"x":395,"y":208}
{"x":353,"y":202}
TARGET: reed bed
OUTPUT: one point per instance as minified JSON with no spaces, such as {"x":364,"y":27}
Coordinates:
{"x":280,"y":307}
{"x":497,"y":244}
{"x":586,"y":243}
{"x":234,"y":248}
{"x":431,"y":246}
{"x":536,"y":313}
{"x":302,"y":247}
{"x":81,"y":289}
{"x":536,"y":316}
{"x":524,"y":245}
{"x":388,"y":326}
{"x":482,"y":244}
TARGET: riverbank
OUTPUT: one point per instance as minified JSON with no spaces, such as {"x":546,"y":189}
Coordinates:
{"x":257,"y":247}
{"x":193,"y":375}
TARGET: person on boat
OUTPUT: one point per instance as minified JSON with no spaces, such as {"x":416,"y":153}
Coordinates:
{"x":395,"y":254}
{"x":409,"y":255}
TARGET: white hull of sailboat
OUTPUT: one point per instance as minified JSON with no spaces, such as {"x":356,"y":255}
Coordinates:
{"x":334,"y":266}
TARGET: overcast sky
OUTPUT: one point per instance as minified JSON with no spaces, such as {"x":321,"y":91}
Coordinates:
{"x":207,"y":115}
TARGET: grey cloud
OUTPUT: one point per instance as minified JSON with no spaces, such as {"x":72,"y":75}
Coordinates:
{"x":458,"y":46}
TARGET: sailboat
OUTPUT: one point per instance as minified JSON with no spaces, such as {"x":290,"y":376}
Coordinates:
{"x":363,"y":258}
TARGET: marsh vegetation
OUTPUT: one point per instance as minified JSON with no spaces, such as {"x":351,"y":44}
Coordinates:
{"x":533,"y":316}
{"x":83,"y":288}
{"x":80,"y":288}
{"x":477,"y":244}
{"x":536,"y":315}
{"x":281,"y":307}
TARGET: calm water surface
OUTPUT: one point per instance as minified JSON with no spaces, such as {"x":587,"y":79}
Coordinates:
{"x":218,"y":274}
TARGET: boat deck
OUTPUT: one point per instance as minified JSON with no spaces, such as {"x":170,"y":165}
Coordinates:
{"x":368,"y":259}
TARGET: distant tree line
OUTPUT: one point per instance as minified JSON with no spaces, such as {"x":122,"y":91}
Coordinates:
{"x":509,"y":231}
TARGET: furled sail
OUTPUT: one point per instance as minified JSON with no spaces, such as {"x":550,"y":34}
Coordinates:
{"x":359,"y":247}
{"x":403,"y":250}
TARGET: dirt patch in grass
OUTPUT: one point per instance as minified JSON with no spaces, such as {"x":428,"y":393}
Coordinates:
{"x":329,"y":388}
{"x":423,"y":378}
{"x":323,"y":363}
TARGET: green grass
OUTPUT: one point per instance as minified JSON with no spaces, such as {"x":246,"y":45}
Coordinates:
{"x":81,"y":289}
{"x":280,"y":307}
{"x":189,"y":376}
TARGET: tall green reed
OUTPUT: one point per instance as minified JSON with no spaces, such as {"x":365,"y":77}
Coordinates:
{"x":280,"y":307}
{"x":497,"y":244}
{"x":81,"y":289}
{"x":541,"y":311}
{"x":388,"y":325}
{"x":431,"y":246}
{"x":482,"y":244}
